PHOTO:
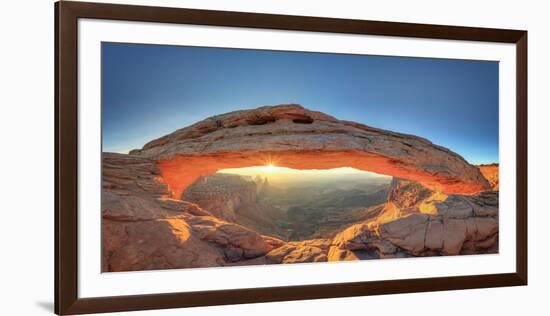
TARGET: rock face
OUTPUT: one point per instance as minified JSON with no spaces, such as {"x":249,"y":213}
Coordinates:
{"x":314,"y":250}
{"x":237,"y":199}
{"x":490,"y":172}
{"x":221,"y":194}
{"x":292,"y":136}
{"x":459,"y":224}
{"x":143,"y":228}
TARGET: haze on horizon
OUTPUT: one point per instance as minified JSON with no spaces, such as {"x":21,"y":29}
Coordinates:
{"x":284,"y":175}
{"x":151,"y":90}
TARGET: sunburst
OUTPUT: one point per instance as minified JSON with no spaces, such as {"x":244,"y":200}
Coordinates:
{"x":269,"y":168}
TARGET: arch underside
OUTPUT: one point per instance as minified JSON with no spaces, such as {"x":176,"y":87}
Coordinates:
{"x":295,"y":137}
{"x":182,"y":170}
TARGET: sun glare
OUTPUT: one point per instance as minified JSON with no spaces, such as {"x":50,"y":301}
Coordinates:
{"x":269,"y":168}
{"x":277,"y":172}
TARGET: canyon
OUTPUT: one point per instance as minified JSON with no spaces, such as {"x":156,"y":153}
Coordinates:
{"x":290,"y":209}
{"x":164,"y":206}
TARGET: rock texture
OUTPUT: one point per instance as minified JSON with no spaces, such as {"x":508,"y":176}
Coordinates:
{"x":221,"y":194}
{"x":459,"y":224}
{"x":143,"y":228}
{"x":295,"y":137}
{"x":314,"y":250}
{"x":490,"y":172}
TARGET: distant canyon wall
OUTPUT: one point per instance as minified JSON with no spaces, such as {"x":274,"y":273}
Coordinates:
{"x":222,"y":194}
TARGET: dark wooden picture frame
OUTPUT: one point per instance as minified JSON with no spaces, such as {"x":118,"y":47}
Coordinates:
{"x":66,"y":159}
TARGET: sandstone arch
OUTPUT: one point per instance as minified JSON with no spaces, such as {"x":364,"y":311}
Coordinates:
{"x":295,"y":137}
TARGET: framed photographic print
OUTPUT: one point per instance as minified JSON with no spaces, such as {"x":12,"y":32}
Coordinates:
{"x":210,"y":157}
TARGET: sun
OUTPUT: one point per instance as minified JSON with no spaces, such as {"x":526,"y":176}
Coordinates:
{"x":269,"y":168}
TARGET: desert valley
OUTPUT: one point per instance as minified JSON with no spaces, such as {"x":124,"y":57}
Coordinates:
{"x":284,"y":184}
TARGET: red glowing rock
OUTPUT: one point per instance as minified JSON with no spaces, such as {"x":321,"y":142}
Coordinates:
{"x":295,"y":137}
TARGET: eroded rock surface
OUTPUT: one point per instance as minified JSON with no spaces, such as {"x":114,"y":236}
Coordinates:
{"x":295,"y":137}
{"x":221,"y":194}
{"x":490,"y":172}
{"x":314,"y":250}
{"x":143,"y":228}
{"x":459,"y":225}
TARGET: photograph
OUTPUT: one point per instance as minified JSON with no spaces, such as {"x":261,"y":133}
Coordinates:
{"x":268,"y":158}
{"x":219,"y":157}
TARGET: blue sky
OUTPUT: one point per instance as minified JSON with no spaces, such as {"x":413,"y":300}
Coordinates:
{"x":151,"y":90}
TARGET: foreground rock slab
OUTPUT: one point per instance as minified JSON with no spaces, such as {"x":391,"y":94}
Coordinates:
{"x":459,"y":224}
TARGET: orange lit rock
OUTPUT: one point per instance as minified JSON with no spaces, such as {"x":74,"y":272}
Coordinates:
{"x":490,"y":172}
{"x":143,"y":228}
{"x":314,"y":250}
{"x":155,"y":244}
{"x":460,"y":225}
{"x":339,"y":254}
{"x":295,"y":137}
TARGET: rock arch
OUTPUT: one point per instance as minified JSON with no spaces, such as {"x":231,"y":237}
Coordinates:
{"x":295,"y":137}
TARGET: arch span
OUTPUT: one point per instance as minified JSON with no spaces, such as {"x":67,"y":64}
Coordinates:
{"x":295,"y":137}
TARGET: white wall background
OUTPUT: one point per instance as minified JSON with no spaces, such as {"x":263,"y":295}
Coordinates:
{"x":26,"y":123}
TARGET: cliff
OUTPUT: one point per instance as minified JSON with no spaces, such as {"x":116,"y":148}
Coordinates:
{"x":490,"y":172}
{"x":222,"y":194}
{"x":454,"y":224}
{"x":143,"y":228}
